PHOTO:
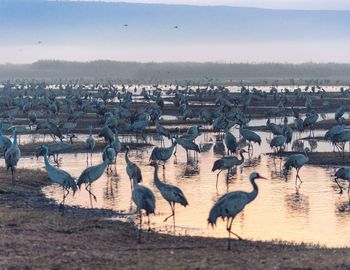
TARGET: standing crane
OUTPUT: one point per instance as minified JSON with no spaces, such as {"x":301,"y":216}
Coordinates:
{"x":12,"y":156}
{"x":231,"y":204}
{"x":144,"y":199}
{"x":170,"y":193}
{"x":297,"y":161}
{"x":231,"y":143}
{"x":227,"y":163}
{"x":90,"y":142}
{"x":163,"y":154}
{"x":342,"y":173}
{"x":61,"y":177}
{"x":250,"y":136}
{"x":90,"y":175}
{"x":133,"y":171}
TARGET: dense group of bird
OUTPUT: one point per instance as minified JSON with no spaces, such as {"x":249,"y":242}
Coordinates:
{"x":111,"y":111}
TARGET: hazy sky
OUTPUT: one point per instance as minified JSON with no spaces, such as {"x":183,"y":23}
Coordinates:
{"x":159,"y":33}
{"x":276,"y":4}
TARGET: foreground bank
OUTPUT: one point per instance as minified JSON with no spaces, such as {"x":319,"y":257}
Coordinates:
{"x":35,"y":235}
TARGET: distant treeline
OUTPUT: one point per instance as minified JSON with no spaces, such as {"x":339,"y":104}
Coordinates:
{"x":193,"y":73}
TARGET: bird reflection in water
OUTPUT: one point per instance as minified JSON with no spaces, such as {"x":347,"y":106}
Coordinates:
{"x":297,"y":203}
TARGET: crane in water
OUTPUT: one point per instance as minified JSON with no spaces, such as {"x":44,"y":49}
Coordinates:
{"x":230,"y":142}
{"x":231,"y":204}
{"x":342,"y":173}
{"x":133,"y":171}
{"x":12,"y":156}
{"x":227,"y":163}
{"x":170,"y":193}
{"x":90,"y":175}
{"x":90,"y":143}
{"x":163,"y":153}
{"x":250,"y":136}
{"x":297,"y":161}
{"x":61,"y":177}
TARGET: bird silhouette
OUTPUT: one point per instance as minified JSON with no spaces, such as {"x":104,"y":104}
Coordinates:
{"x":231,"y":204}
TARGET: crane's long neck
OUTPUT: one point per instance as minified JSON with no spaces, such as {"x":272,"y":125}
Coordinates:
{"x":47,"y":164}
{"x":252,"y":195}
{"x":126,"y":156}
{"x":155,"y":176}
{"x":90,"y":132}
{"x":14,"y":138}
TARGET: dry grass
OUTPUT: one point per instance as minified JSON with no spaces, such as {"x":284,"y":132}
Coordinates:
{"x":35,"y":236}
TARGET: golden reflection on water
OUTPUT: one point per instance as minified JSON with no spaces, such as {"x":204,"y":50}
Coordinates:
{"x":314,"y":213}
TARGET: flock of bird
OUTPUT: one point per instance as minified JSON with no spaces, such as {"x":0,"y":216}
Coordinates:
{"x":43,"y":107}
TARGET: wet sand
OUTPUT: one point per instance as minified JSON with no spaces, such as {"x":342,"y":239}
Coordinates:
{"x":34,"y":235}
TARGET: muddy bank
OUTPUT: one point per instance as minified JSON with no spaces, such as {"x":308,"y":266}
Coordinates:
{"x":77,"y":147}
{"x":36,"y":236}
{"x":321,"y":158}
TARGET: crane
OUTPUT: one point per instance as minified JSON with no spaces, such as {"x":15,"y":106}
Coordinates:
{"x":12,"y":156}
{"x":170,"y":193}
{"x":61,"y":177}
{"x":231,"y":204}
{"x":227,"y":163}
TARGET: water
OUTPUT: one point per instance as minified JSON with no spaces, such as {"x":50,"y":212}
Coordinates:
{"x":314,"y":214}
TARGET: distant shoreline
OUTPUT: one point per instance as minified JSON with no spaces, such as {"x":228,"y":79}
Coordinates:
{"x":259,"y":74}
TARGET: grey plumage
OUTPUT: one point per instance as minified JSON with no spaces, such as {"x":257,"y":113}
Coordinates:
{"x":132,"y":169}
{"x":170,"y":193}
{"x":144,"y":199}
{"x":91,"y":174}
{"x":231,"y":204}
{"x":61,"y":177}
{"x":12,"y":156}
{"x":227,"y":163}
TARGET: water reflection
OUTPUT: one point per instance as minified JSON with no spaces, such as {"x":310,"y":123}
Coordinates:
{"x":310,"y":214}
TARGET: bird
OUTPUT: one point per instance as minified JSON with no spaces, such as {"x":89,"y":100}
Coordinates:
{"x":227,"y":163}
{"x":61,"y":177}
{"x":230,"y":142}
{"x":109,"y":154}
{"x":170,"y":193}
{"x":342,"y":173}
{"x":90,"y":142}
{"x":187,"y":145}
{"x":133,"y":171}
{"x":5,"y":142}
{"x":163,"y":154}
{"x":297,"y":161}
{"x":231,"y":204}
{"x":250,"y":136}
{"x":144,"y":199}
{"x":12,"y":156}
{"x":310,"y":120}
{"x":91,"y":174}
{"x":278,"y":142}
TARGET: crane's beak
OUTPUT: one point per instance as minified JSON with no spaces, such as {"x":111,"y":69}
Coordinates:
{"x":261,"y":177}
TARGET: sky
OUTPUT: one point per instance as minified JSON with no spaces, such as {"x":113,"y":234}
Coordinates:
{"x":274,"y":4}
{"x":225,"y":35}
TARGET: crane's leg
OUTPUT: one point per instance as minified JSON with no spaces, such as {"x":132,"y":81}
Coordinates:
{"x":13,"y":175}
{"x":172,"y":212}
{"x":217,"y":179}
{"x":149,"y":223}
{"x":140,"y":228}
{"x":349,"y":192}
{"x":229,"y":229}
{"x":174,"y":215}
{"x":341,"y":188}
{"x":229,"y":235}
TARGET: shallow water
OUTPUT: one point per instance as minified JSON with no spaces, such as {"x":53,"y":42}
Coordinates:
{"x":314,"y":213}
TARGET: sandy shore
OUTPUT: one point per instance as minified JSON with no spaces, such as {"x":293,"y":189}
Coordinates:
{"x":35,"y":236}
